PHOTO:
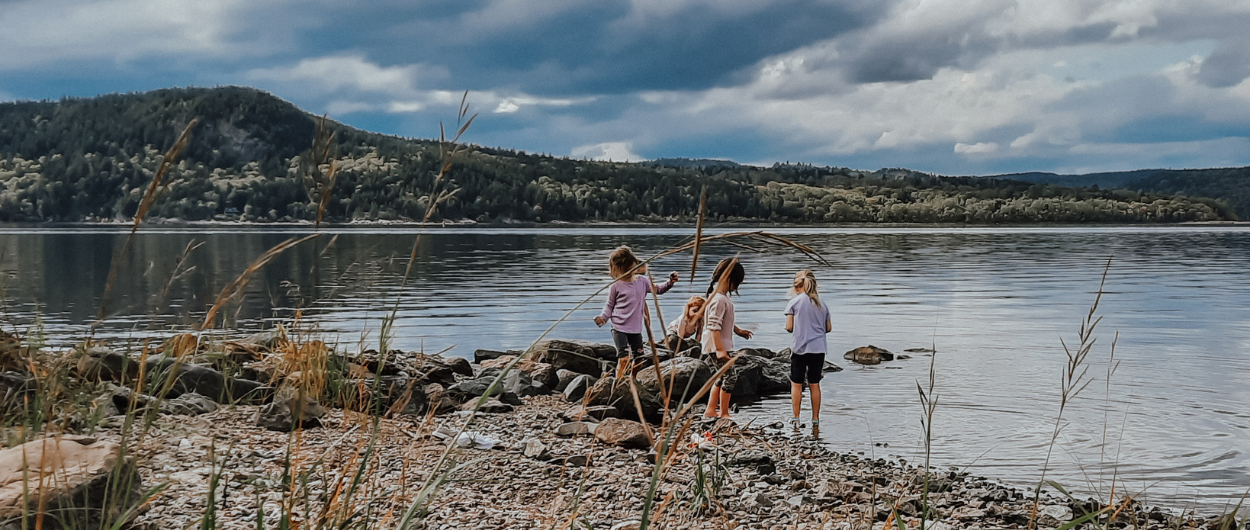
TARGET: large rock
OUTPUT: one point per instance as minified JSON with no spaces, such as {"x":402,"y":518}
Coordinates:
{"x":544,"y":372}
{"x":460,"y":366}
{"x":468,"y":389}
{"x":103,"y":363}
{"x":750,"y":378}
{"x":868,"y":355}
{"x":77,"y":480}
{"x":564,"y":377}
{"x":576,"y":355}
{"x":394,"y":362}
{"x":577,"y":388}
{"x":289,"y":411}
{"x":480,"y":356}
{"x":685,"y":372}
{"x":498,"y":363}
{"x":622,"y":433}
{"x":521,"y":384}
{"x":607,"y":391}
{"x":433,"y":369}
{"x":774,"y":377}
{"x":766,"y":353}
{"x":425,"y":368}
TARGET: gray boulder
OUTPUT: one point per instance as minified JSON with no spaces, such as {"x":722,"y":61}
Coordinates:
{"x":470,"y":388}
{"x":685,"y":372}
{"x":610,"y":392}
{"x":103,"y":363}
{"x":563,"y":377}
{"x":579,"y":356}
{"x":577,"y":388}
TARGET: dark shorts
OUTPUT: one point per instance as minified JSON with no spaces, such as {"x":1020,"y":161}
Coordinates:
{"x":729,"y":380}
{"x":807,"y":368}
{"x":627,"y":344}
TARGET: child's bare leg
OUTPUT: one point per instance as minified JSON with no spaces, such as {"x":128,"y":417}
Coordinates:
{"x":815,"y":391}
{"x":796,"y":398}
{"x":713,"y":400}
{"x":724,"y":404}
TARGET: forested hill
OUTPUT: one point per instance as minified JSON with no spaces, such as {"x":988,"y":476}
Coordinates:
{"x":1231,"y":184}
{"x":90,"y":159}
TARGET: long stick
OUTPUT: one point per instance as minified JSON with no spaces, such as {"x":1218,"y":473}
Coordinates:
{"x":698,"y":232}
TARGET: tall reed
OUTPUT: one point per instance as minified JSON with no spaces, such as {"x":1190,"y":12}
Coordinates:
{"x":1073,"y":380}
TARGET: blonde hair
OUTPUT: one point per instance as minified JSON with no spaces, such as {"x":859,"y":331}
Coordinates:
{"x":805,"y":282}
{"x":623,"y":264}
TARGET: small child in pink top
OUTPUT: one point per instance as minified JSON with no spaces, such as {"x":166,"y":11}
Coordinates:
{"x":626,"y":307}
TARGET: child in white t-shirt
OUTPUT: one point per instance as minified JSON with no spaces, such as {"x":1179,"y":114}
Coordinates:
{"x":808,"y":319}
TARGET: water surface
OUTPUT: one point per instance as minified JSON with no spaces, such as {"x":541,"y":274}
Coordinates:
{"x":1171,"y":425}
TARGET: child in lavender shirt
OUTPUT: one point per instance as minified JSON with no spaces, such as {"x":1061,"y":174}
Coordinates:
{"x":808,"y":320}
{"x":626,"y":307}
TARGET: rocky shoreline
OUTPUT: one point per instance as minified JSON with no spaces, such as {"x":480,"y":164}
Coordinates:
{"x":557,"y":443}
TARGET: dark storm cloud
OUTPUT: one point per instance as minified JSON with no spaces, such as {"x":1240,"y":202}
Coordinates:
{"x":604,"y":48}
{"x":1228,"y":65}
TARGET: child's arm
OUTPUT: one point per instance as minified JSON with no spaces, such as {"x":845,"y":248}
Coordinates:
{"x":672,"y":280}
{"x":828,"y":325}
{"x":746,"y":334}
{"x":790,"y":323}
{"x":607,"y":307}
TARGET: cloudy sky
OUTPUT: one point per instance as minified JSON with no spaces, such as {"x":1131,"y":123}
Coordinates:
{"x":949,"y":86}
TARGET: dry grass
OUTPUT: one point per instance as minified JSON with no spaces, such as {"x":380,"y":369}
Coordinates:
{"x":319,"y":183}
{"x":121,"y":256}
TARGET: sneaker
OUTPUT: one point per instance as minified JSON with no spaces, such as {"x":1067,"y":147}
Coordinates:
{"x":815,"y":422}
{"x":795,"y":423}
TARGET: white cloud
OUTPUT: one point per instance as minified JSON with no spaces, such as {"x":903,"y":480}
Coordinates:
{"x":403,"y":107}
{"x":38,"y":32}
{"x":978,"y":148}
{"x":343,"y":73}
{"x":614,"y":151}
{"x":507,"y":106}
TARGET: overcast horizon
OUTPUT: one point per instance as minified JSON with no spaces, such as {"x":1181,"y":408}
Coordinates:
{"x":949,"y":87}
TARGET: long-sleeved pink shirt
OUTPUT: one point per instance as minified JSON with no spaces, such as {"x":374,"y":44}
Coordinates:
{"x":627,"y":300}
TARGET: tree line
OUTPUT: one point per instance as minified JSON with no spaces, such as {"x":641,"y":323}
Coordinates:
{"x":90,"y":159}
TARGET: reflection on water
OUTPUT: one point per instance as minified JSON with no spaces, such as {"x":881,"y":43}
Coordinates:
{"x":1172,"y":422}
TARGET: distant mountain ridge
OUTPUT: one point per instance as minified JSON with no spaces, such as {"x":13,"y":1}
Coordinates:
{"x":90,"y":159}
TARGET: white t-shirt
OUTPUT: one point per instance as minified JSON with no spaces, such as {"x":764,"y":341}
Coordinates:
{"x":718,"y":318}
